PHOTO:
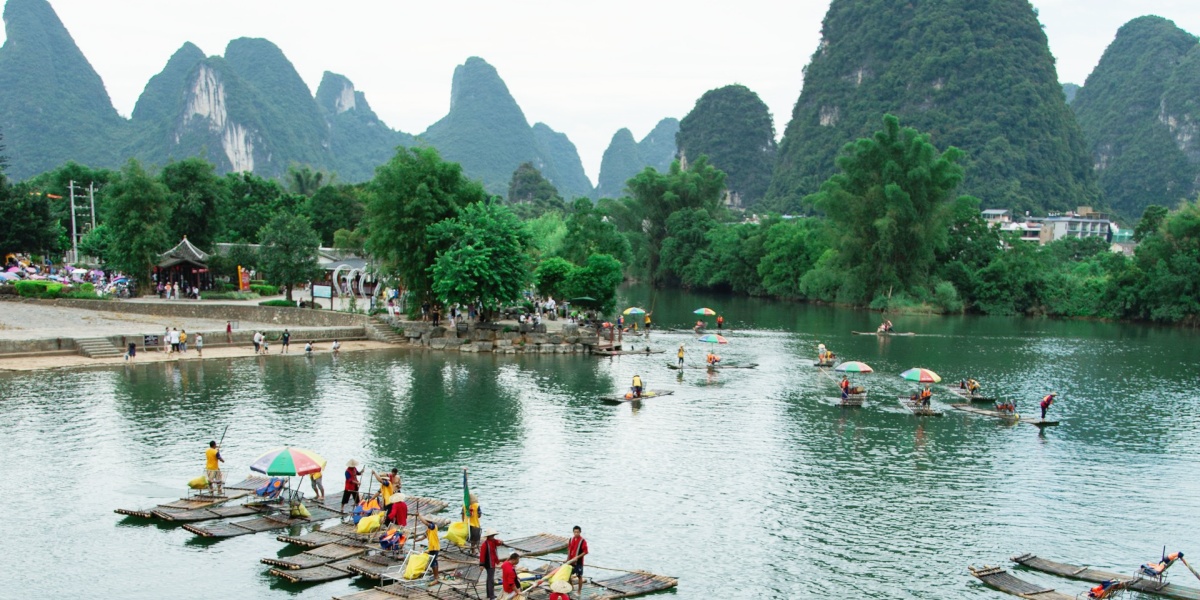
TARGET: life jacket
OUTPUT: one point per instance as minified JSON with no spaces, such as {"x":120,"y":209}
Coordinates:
{"x":393,"y":538}
{"x":637,"y":381}
{"x":845,"y":384}
{"x":271,"y":489}
{"x":1047,"y":401}
{"x":1102,"y":590}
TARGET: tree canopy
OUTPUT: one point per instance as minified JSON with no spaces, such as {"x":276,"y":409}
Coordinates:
{"x":288,"y":254}
{"x":484,"y":260}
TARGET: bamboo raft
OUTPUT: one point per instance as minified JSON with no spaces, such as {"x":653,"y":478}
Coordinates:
{"x":884,"y":333}
{"x":852,"y":399}
{"x":825,"y":363}
{"x":625,"y":352}
{"x":627,"y":585}
{"x":1148,"y":586}
{"x":966,"y":395}
{"x":259,"y":524}
{"x":645,"y":395}
{"x":201,"y":501}
{"x":1007,"y":417}
{"x":1000,"y":579}
{"x":537,"y":545}
{"x":711,"y":367}
{"x":917,"y":409}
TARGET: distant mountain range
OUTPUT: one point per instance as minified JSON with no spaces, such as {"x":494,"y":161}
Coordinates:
{"x":249,"y":110}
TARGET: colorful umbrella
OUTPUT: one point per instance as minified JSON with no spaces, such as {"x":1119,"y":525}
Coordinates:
{"x":713,"y":338}
{"x":633,"y":310}
{"x":854,"y":366}
{"x":288,"y":461}
{"x":708,"y":312}
{"x":921,"y":375}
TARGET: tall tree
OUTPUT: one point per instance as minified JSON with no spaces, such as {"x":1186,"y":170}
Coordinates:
{"x":304,"y":180}
{"x":138,"y":216}
{"x":26,"y":222}
{"x":195,"y":192}
{"x":485,"y":258}
{"x":890,"y":207}
{"x":248,"y":206}
{"x":658,"y":195}
{"x":411,"y":192}
{"x":590,"y":231}
{"x":335,"y":207}
{"x":289,"y":251}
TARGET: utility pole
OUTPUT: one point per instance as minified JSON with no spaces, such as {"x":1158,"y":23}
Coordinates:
{"x":92,"y":198}
{"x":74,"y":237}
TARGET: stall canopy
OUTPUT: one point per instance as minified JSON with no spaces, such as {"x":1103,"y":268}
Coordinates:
{"x":183,"y":254}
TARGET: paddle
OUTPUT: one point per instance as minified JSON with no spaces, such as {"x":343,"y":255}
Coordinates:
{"x":221,"y":484}
{"x":547,"y":576}
{"x":1185,"y":563}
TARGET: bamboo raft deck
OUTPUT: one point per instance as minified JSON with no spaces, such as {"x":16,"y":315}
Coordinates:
{"x":885,"y":333}
{"x":917,"y":409}
{"x":198,"y":502}
{"x":319,"y":556}
{"x":259,"y":524}
{"x":317,"y":574}
{"x":1010,"y":418}
{"x":1148,"y":586}
{"x":1000,"y":579}
{"x":645,"y":396}
{"x":855,"y":400}
{"x":824,"y":364}
{"x":626,"y":585}
{"x":966,"y":395}
{"x":537,"y":545}
{"x":625,"y":352}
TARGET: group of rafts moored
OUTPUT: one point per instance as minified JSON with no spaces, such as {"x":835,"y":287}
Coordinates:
{"x":1149,"y":578}
{"x":341,"y":544}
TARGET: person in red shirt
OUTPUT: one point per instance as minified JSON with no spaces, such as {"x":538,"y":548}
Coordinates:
{"x":1046,"y":402}
{"x":397,"y":513}
{"x":509,"y":583}
{"x":490,"y":560}
{"x":351,"y":489}
{"x":577,"y":548}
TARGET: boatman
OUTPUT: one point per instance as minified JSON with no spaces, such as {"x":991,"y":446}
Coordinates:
{"x":1046,"y":402}
{"x":820,"y":351}
{"x":720,"y":322}
{"x":577,"y":548}
{"x":351,"y":490}
{"x":212,"y":468}
{"x":680,"y":355}
{"x":926,"y":395}
{"x":845,"y":385}
{"x":637,"y":386}
{"x":489,"y":559}
{"x":647,"y":321}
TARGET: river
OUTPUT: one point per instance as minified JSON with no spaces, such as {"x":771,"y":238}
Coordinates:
{"x":744,"y":484}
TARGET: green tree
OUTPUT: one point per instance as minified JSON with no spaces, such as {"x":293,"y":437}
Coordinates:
{"x":659,"y":195}
{"x":791,"y":249}
{"x":304,"y":180}
{"x":1151,"y":221}
{"x":26,"y":221}
{"x":350,"y":240}
{"x":589,"y":231}
{"x":551,"y":277}
{"x":95,"y":243}
{"x":411,"y":192}
{"x":194,"y":192}
{"x":549,"y":233}
{"x":138,"y":218}
{"x":687,"y":237}
{"x":288,"y":254}
{"x":531,"y":194}
{"x":485,"y":258}
{"x":335,"y":207}
{"x":890,"y":208}
{"x":1170,"y":260}
{"x":597,"y":278}
{"x":248,"y":205}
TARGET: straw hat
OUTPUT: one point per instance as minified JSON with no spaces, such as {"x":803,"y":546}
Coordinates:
{"x":490,"y":532}
{"x":560,"y":587}
{"x":352,"y":463}
{"x":474,"y":498}
{"x":397,"y":498}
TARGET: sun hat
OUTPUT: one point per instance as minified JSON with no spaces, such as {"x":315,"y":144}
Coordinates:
{"x":490,"y":533}
{"x":560,"y":587}
{"x":352,"y":463}
{"x":397,"y":498}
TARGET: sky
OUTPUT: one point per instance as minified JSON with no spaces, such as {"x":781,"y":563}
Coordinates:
{"x":585,"y":69}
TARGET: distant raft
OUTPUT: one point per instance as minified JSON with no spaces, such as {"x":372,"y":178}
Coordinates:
{"x":967,"y":395}
{"x":629,"y":398}
{"x":1008,"y":417}
{"x":1000,"y":579}
{"x":202,"y":506}
{"x":853,"y":399}
{"x":1148,"y":586}
{"x":917,"y":409}
{"x":884,"y":333}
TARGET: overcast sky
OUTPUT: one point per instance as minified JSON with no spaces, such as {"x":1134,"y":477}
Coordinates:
{"x":585,"y":69}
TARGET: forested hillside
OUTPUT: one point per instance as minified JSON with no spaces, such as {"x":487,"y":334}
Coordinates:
{"x":733,"y":127}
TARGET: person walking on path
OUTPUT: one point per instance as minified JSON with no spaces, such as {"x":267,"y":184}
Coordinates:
{"x":257,"y":339}
{"x":199,"y":344}
{"x":577,"y":548}
{"x":351,"y":490}
{"x":1046,"y":402}
{"x":489,"y":560}
{"x":212,"y":468}
{"x":287,"y":337}
{"x":228,"y":332}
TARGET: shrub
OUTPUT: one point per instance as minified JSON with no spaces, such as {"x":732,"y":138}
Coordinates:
{"x":210,"y":295}
{"x":264,"y":290}
{"x":945,"y":297}
{"x":277,"y":303}
{"x":224,"y":286}
{"x":39,"y":289}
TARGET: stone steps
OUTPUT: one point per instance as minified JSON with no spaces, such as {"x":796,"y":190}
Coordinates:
{"x":380,"y":330}
{"x":98,"y":348}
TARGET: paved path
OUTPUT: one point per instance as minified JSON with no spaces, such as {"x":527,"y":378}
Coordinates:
{"x":19,"y":321}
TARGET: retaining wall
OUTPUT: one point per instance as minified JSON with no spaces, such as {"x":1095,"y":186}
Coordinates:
{"x":203,"y":310}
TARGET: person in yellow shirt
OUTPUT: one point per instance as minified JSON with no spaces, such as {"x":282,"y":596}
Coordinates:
{"x":433,"y":546}
{"x":637,"y":386}
{"x":680,"y":355}
{"x":472,"y":519}
{"x":318,"y":485}
{"x":212,"y":468}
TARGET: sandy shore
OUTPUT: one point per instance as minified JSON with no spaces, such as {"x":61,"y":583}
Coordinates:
{"x":75,"y":360}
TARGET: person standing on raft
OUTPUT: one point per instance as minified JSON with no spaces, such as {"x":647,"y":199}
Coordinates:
{"x":489,"y":559}
{"x":577,"y":548}
{"x":680,"y":355}
{"x":637,"y":386}
{"x":212,"y":468}
{"x":1046,"y":402}
{"x":351,"y":490}
{"x":720,"y":322}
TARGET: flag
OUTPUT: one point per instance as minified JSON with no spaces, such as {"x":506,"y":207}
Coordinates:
{"x":466,"y":499}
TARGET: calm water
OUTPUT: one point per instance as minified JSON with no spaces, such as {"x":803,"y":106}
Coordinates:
{"x":744,"y":484}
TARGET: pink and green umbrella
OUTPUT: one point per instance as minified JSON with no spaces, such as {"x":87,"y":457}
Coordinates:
{"x":708,"y":312}
{"x":921,"y":375}
{"x":854,"y":366}
{"x":288,"y":461}
{"x":713,"y":338}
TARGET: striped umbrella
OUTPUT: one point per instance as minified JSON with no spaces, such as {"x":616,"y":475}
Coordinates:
{"x":708,"y":312}
{"x":854,"y":366}
{"x":921,"y":375}
{"x":633,"y":310}
{"x":289,"y":461}
{"x":713,"y":338}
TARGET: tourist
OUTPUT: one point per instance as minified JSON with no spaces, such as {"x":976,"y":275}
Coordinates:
{"x":647,"y":321}
{"x":474,"y":532}
{"x":350,"y":492}
{"x":228,"y":332}
{"x":318,"y":486}
{"x":712,"y":359}
{"x":212,"y":468}
{"x":266,"y":346}
{"x":308,"y":348}
{"x":425,"y":310}
{"x":165,"y":342}
{"x":680,"y":355}
{"x":174,"y":340}
{"x":132,"y":351}
{"x":488,"y":559}
{"x":560,"y":590}
{"x":336,"y":346}
{"x":820,"y":351}
{"x":257,"y":339}
{"x":1046,"y":402}
{"x":433,"y":546}
{"x":510,"y":585}
{"x":183,"y":341}
{"x":637,"y":386}
{"x":287,"y":337}
{"x":397,"y":511}
{"x":391,"y":307}
{"x":199,"y":344}
{"x":168,"y":290}
{"x":577,"y":548}
{"x":926,"y":395}
{"x":720,"y":322}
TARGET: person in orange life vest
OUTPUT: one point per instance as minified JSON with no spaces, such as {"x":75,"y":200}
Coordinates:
{"x":397,"y":512}
{"x":351,"y":489}
{"x":560,"y":590}
{"x":510,"y":585}
{"x":489,"y":559}
{"x":1047,"y":401}
{"x":720,"y":322}
{"x":926,"y":395}
{"x":577,"y":547}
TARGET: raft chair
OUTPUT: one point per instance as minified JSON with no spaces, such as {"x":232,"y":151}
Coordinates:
{"x":1157,"y":570}
{"x":464,"y":578}
{"x":415,"y":571}
{"x":270,"y":491}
